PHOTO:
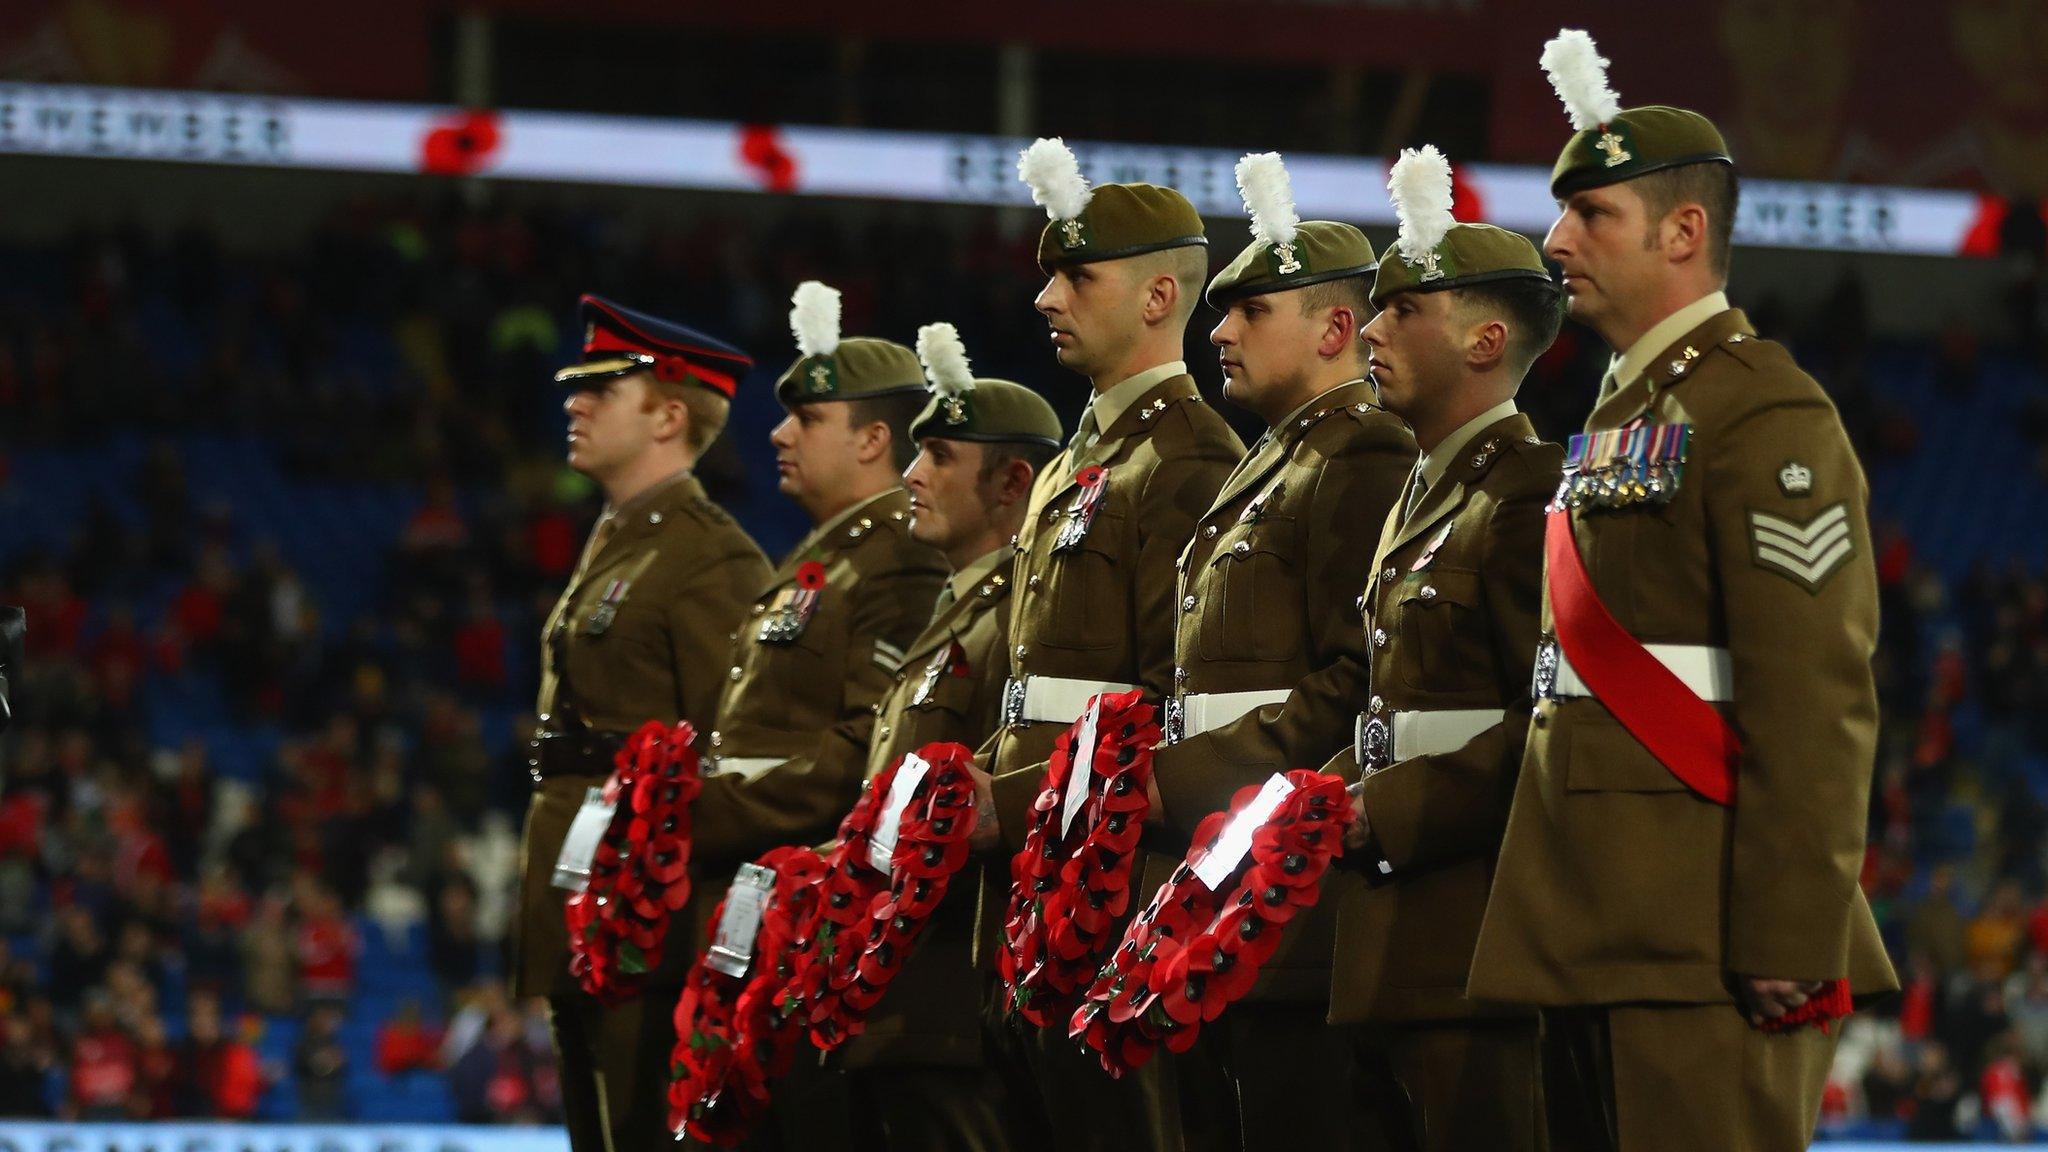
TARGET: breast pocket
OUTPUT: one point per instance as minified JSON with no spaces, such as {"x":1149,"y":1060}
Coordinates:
{"x":1254,"y":606}
{"x":1443,"y":630}
{"x":1085,"y":595}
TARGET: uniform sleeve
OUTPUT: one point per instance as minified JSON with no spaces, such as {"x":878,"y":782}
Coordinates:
{"x":1175,"y":495}
{"x":802,"y":800}
{"x":1787,"y":523}
{"x":1357,"y":485}
{"x":1432,"y":809}
{"x":710,"y":605}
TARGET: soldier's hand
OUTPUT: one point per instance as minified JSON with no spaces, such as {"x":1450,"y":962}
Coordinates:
{"x":987,"y":830}
{"x":1359,"y":830}
{"x":1761,"y":999}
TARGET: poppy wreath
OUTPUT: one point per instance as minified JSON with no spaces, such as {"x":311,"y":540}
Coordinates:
{"x":1068,"y":888}
{"x":1194,"y":951}
{"x":731,"y":1046}
{"x":640,"y":871}
{"x":828,"y":947}
{"x":931,"y":846}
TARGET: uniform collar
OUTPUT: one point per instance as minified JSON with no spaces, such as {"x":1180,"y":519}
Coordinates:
{"x":1631,"y":364}
{"x":1319,"y":400}
{"x":824,"y":531}
{"x":1110,"y":405}
{"x":967,"y":579}
{"x":654,"y":492}
{"x":1437,"y":460}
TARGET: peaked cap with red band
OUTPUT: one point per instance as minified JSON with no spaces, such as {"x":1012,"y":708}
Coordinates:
{"x":618,"y":340}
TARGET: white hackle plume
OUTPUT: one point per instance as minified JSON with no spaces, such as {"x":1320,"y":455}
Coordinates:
{"x":945,"y":359}
{"x":814,"y":318}
{"x":1579,"y":73}
{"x":1049,"y":167}
{"x":1269,"y":196}
{"x":1421,"y":188}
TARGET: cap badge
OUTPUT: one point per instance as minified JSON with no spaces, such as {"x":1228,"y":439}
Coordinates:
{"x":955,"y":408}
{"x":1610,"y":144}
{"x":1428,"y":263}
{"x":1070,"y":233}
{"x":1288,"y":265}
{"x":821,"y":377}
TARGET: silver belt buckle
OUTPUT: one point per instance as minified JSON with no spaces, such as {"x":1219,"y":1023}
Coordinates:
{"x":1544,"y":684}
{"x":1375,"y":747}
{"x":1013,"y":701}
{"x":1175,"y":729}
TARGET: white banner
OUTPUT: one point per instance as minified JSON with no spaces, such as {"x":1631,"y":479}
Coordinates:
{"x":587,"y":149}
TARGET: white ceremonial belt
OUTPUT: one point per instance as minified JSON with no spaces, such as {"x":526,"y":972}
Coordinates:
{"x":1707,"y":671}
{"x":1052,"y":699}
{"x":1199,"y":712}
{"x":1406,"y":735}
{"x":748,"y":767}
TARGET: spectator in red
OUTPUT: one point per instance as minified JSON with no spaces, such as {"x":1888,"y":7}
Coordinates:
{"x":222,"y":1077}
{"x":105,"y":1066}
{"x":1919,"y":998}
{"x":407,"y":1044}
{"x":480,"y":647}
{"x":201,"y":607}
{"x":553,"y":541}
{"x":2002,"y":1089}
{"x":156,"y":1088}
{"x":326,"y":945}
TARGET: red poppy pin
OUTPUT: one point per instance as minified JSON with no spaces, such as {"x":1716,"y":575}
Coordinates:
{"x":810,"y":576}
{"x":1090,"y":476}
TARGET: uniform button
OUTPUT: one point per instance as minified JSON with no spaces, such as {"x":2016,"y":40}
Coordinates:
{"x":1013,"y":539}
{"x":1377,"y":706}
{"x":732,"y":635}
{"x":1051,"y":515}
{"x":885,"y":732}
{"x":899,"y":677}
{"x":760,"y":608}
{"x":1361,"y":603}
{"x":1020,"y":651}
{"x":717,"y":739}
{"x":1379,"y":637}
{"x":1387,"y":574}
{"x":1187,"y":603}
{"x":654,"y":517}
{"x":1035,"y":581}
{"x":876,"y":708}
{"x":1241,"y":547}
{"x":735,"y":673}
{"x":1209,"y":533}
{"x":1429,"y":592}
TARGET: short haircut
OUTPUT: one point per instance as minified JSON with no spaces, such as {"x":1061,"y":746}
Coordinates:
{"x":1189,"y":267}
{"x":896,"y":410}
{"x":1534,"y":310}
{"x":997,"y":454}
{"x":1713,"y":186}
{"x":707,"y":409}
{"x":1353,"y":292}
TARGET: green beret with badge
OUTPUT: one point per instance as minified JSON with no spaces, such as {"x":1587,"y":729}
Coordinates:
{"x":1112,"y":222}
{"x":1433,"y":250}
{"x":983,"y":410}
{"x":1285,"y":251}
{"x":1613,"y":144}
{"x":831,"y":367}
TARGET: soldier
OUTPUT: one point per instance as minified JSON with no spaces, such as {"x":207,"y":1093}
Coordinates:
{"x":1678,"y":884}
{"x":917,"y":1075}
{"x":1451,"y":612}
{"x":1269,"y":651}
{"x":1094,"y":606}
{"x":665,"y":576}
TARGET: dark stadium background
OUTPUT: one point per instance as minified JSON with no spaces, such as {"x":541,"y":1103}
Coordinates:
{"x":281,"y":481}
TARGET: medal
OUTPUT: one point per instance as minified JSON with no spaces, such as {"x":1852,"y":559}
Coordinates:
{"x":793,"y":608}
{"x":1428,"y":556}
{"x":1080,"y":515}
{"x":607,"y":609}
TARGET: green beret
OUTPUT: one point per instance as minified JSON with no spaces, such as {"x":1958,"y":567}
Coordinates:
{"x":860,"y":367}
{"x":1121,"y":220}
{"x":1468,"y":254}
{"x":1323,"y":250}
{"x":1636,"y":142}
{"x":992,"y":411}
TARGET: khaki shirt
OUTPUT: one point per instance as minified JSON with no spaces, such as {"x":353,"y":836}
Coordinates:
{"x":1616,"y":883}
{"x":632,"y":639}
{"x":1268,"y":600}
{"x":1451,"y":604}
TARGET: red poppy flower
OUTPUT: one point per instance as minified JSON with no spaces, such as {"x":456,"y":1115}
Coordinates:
{"x":1090,"y":476}
{"x":810,"y":576}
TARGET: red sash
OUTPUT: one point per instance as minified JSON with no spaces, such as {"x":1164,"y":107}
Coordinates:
{"x":1685,"y":733}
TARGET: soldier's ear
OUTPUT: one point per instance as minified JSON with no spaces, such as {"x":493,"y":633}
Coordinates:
{"x":1340,"y":331}
{"x":1683,"y":233}
{"x":1486,"y":344}
{"x":1014,"y":481}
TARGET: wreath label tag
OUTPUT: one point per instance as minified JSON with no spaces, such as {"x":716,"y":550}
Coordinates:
{"x":732,"y":946}
{"x":1218,"y":863}
{"x":1084,"y":763}
{"x":882,"y":844}
{"x":593,"y":820}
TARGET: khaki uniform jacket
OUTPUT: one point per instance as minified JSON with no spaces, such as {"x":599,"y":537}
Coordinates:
{"x":1451,"y":606}
{"x":1269,"y":600}
{"x":807,"y":698}
{"x":1616,"y":883}
{"x":680,"y":573}
{"x":950,"y":689}
{"x":1104,"y":609}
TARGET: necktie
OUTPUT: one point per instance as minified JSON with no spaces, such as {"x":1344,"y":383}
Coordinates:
{"x":1416,"y":487}
{"x":945,"y":601}
{"x":1084,"y":434}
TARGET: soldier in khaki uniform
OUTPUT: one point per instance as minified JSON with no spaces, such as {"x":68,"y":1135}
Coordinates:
{"x":1451,"y":620}
{"x":1269,"y":650}
{"x":1094,"y":603}
{"x":665,"y":576}
{"x":918,"y":1076}
{"x":1680,"y":865}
